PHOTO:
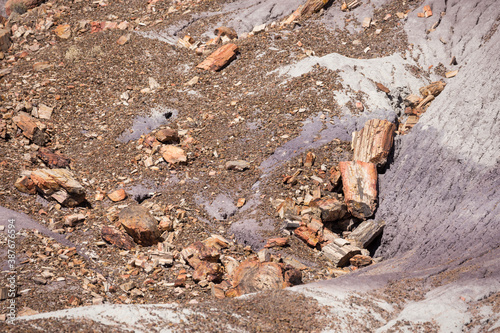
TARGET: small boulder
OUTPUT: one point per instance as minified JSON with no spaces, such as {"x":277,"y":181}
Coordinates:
{"x":173,"y":154}
{"x":140,"y":225}
{"x":167,"y":135}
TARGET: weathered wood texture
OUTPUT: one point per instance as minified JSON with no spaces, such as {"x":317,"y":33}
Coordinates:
{"x":30,"y":128}
{"x":4,"y":40}
{"x":59,"y":185}
{"x":433,"y":89}
{"x":359,"y":182}
{"x":373,"y":142}
{"x":220,"y":58}
{"x":366,"y":232}
{"x":340,"y":255}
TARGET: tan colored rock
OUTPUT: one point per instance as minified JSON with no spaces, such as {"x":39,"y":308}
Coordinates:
{"x":310,"y":158}
{"x":63,"y":31}
{"x":59,"y":184}
{"x":173,"y":154}
{"x":373,"y":142}
{"x":180,"y":281}
{"x":116,"y":237}
{"x":140,"y":225}
{"x":359,"y":182}
{"x":217,"y":242}
{"x":220,"y":58}
{"x":123,"y":39}
{"x":241,"y":202}
{"x":167,"y":135}
{"x":117,"y":195}
{"x":433,"y":89}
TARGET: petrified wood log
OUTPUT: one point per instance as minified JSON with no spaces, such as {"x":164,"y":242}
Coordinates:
{"x":340,"y":255}
{"x":366,"y":232}
{"x":373,"y":142}
{"x":220,"y":58}
{"x":359,"y":182}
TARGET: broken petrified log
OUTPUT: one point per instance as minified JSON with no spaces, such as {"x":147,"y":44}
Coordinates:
{"x":58,"y":184}
{"x":31,"y":128}
{"x":340,"y":255}
{"x":366,"y":232}
{"x":373,"y":142}
{"x":209,"y":271}
{"x":433,"y":89}
{"x":359,"y":182}
{"x":330,"y":209}
{"x":140,"y":224}
{"x":53,"y":159}
{"x":114,"y":236}
{"x":307,"y":9}
{"x":220,"y":58}
{"x":253,"y":276}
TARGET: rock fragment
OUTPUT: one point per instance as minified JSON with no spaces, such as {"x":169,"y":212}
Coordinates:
{"x":58,"y":184}
{"x":167,"y":135}
{"x":116,"y":237}
{"x":31,"y":128}
{"x":4,"y":40}
{"x":117,"y":195}
{"x":53,"y":159}
{"x":366,"y":232}
{"x":173,"y":154}
{"x":139,"y":224}
{"x":340,"y":255}
{"x":359,"y":182}
{"x":239,"y":165}
{"x":220,"y":58}
{"x":373,"y":142}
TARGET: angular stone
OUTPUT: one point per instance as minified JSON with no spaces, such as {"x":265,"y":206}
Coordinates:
{"x":72,"y":220}
{"x":217,"y":242}
{"x":253,"y":276}
{"x":117,"y":195}
{"x":239,"y":165}
{"x":276,"y":242}
{"x":60,"y":185}
{"x":173,"y":154}
{"x":123,"y":39}
{"x":4,"y":40}
{"x":30,"y":128}
{"x":220,"y":58}
{"x":180,"y":281}
{"x":359,"y":181}
{"x":373,"y":142}
{"x":140,"y":225}
{"x":116,"y":237}
{"x":26,"y":185}
{"x":209,"y":271}
{"x":225,"y":31}
{"x":198,"y":252}
{"x":331,"y":209}
{"x":310,"y":158}
{"x":366,"y":232}
{"x":340,"y":255}
{"x":307,"y":235}
{"x":359,"y":260}
{"x":433,"y":89}
{"x":167,"y":135}
{"x":63,"y":31}
{"x":53,"y":159}
{"x":11,"y":5}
